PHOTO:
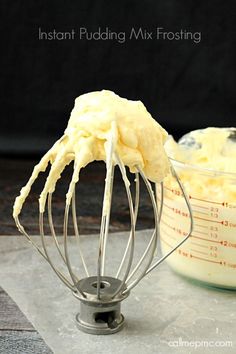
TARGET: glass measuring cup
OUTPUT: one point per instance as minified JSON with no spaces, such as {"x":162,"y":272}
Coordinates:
{"x":209,"y":255}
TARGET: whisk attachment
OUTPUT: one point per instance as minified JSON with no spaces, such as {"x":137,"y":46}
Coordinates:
{"x":103,"y":127}
{"x":101,"y":295}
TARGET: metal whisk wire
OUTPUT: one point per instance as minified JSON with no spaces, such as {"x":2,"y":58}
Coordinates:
{"x":103,"y":294}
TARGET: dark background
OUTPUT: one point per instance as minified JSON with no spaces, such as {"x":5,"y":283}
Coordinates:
{"x":184,"y":85}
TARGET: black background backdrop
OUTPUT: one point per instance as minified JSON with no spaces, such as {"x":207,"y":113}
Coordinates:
{"x":184,"y":85}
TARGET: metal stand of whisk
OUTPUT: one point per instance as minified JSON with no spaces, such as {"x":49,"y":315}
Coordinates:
{"x":101,"y":295}
{"x":100,"y":316}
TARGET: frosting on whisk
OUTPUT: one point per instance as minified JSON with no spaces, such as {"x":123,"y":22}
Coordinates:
{"x":100,"y":122}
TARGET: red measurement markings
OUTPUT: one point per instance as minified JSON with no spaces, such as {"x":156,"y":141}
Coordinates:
{"x":228,"y":223}
{"x":180,"y":194}
{"x":228,"y":244}
{"x":169,"y":189}
{"x":206,"y":239}
{"x":231,"y":265}
{"x":167,"y":198}
{"x":174,"y":191}
{"x":183,"y":213}
{"x":197,"y":251}
{"x":198,"y":244}
{"x":199,"y":206}
{"x":218,"y":222}
{"x":169,"y":207}
{"x":224,"y":243}
{"x":177,"y":230}
{"x":222,"y":222}
{"x":206,"y":201}
{"x":167,"y":243}
{"x":165,"y":223}
{"x":205,"y":259}
{"x":200,"y":212}
{"x":167,"y":234}
{"x":177,"y":210}
{"x":203,"y":226}
{"x":167,"y":215}
{"x":201,"y":232}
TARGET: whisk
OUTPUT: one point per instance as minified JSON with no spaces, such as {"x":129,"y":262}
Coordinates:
{"x":100,"y":295}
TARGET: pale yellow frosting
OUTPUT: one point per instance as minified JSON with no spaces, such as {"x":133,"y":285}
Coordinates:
{"x":213,"y":150}
{"x":97,"y":119}
{"x":207,"y":170}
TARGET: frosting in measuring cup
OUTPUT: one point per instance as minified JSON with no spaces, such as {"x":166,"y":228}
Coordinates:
{"x":205,"y":161}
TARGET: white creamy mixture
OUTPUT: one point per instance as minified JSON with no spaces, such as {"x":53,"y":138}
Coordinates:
{"x":211,"y":148}
{"x":97,"y":120}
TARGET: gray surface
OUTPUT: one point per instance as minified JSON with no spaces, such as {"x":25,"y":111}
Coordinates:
{"x":11,"y":318}
{"x":163,"y":308}
{"x":17,"y":335}
{"x":15,"y":342}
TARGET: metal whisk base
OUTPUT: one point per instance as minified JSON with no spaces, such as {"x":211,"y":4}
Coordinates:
{"x":100,"y":316}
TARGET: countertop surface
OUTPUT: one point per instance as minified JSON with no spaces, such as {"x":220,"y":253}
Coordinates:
{"x":17,"y":334}
{"x":165,"y":313}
